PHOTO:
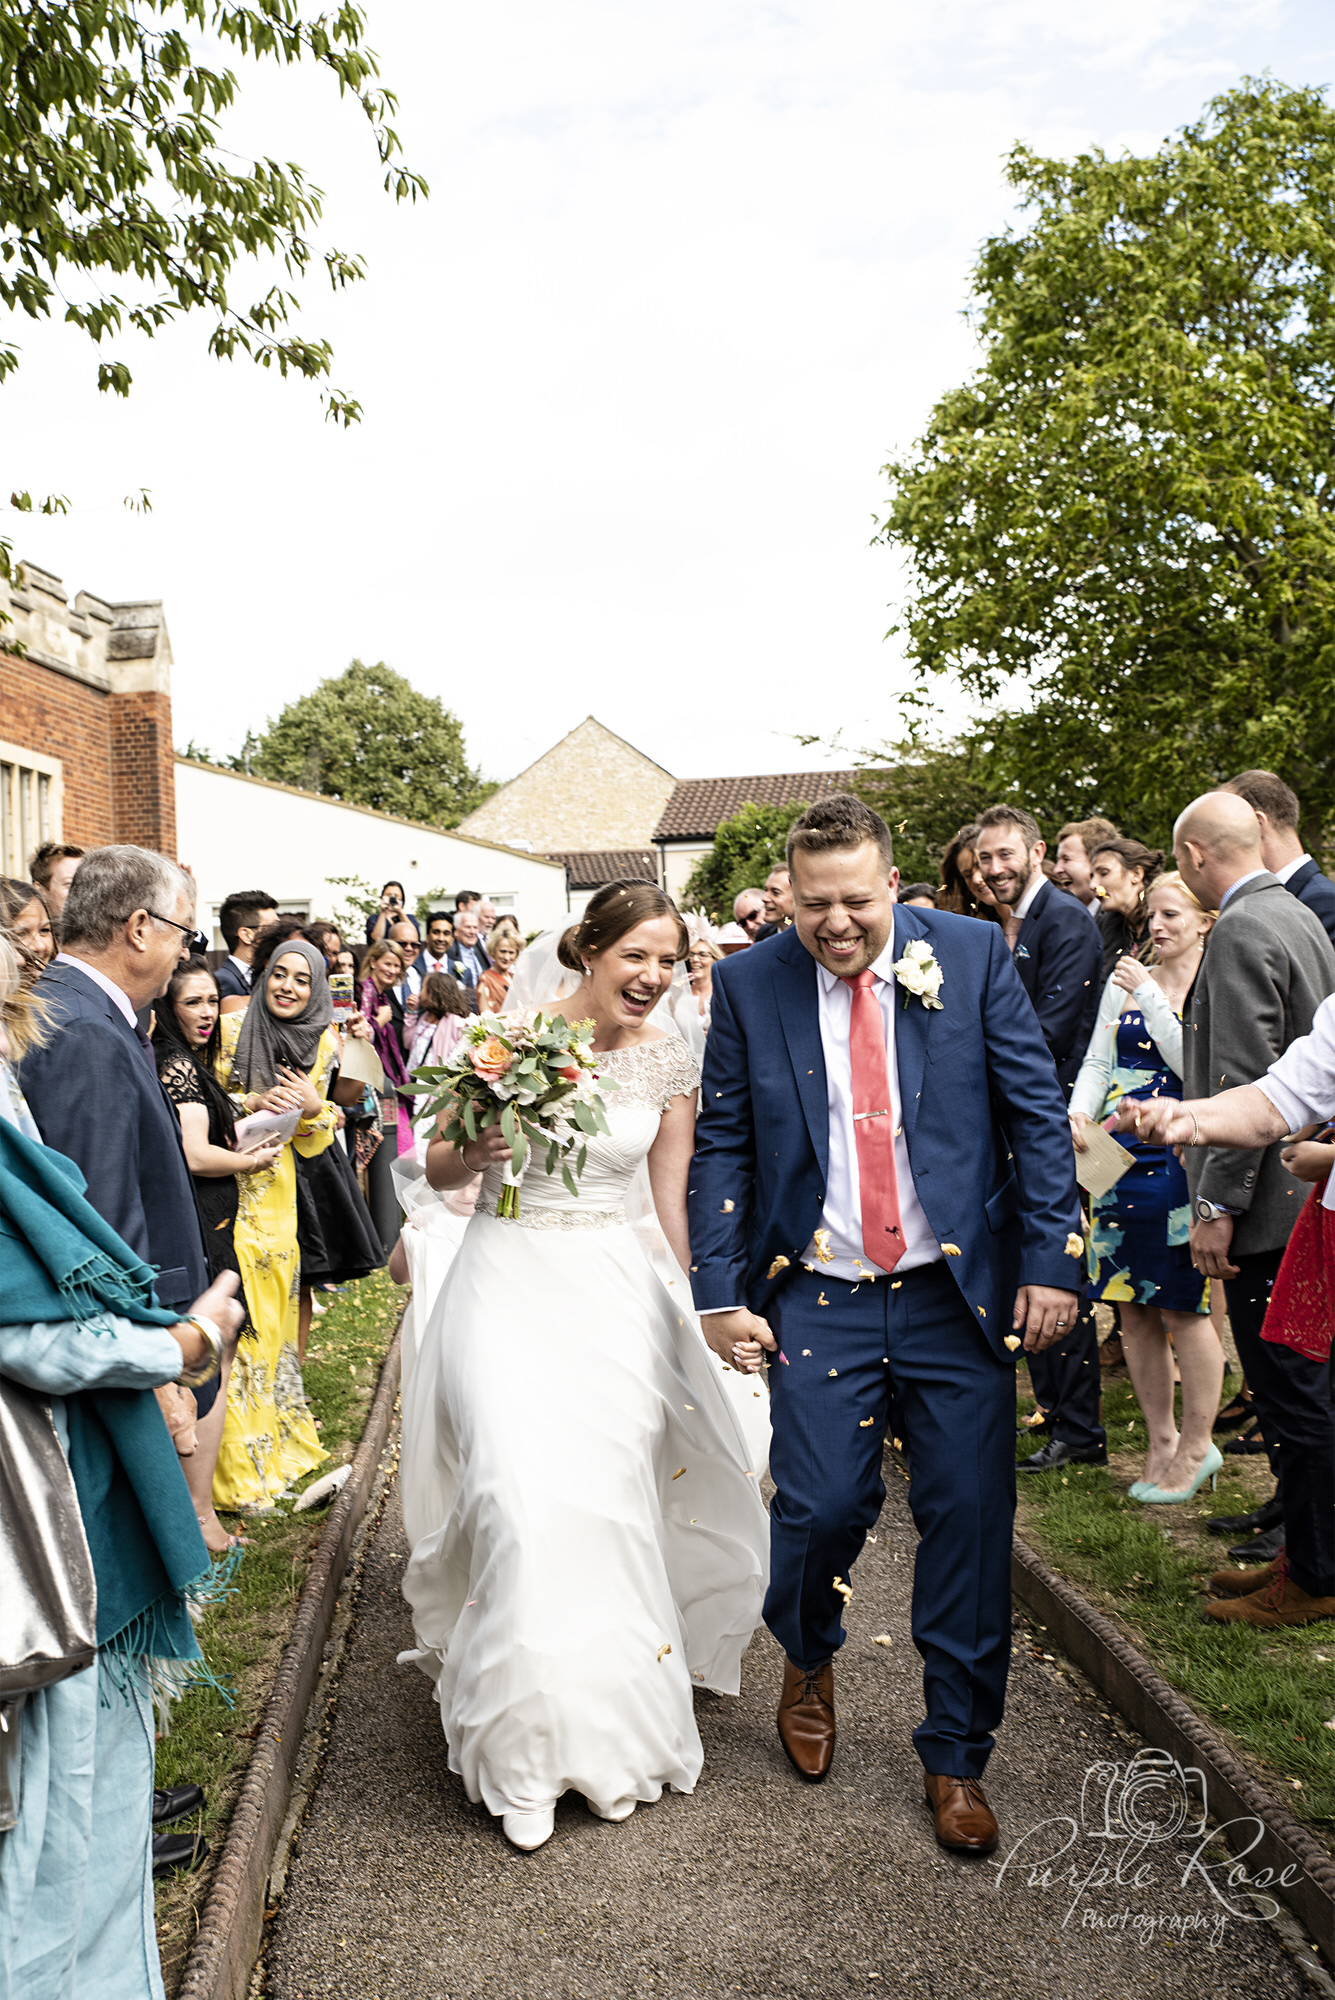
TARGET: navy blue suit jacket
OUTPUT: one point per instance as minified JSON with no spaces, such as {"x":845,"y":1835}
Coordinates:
{"x":230,"y":983}
{"x":1059,"y":955}
{"x":94,"y":1092}
{"x":988,"y":1141}
{"x":1310,"y":886}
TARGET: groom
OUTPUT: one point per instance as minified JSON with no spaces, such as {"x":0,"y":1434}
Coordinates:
{"x":882,"y":1193}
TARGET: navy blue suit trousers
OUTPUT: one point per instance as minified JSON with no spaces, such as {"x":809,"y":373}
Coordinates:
{"x":841,"y":1365}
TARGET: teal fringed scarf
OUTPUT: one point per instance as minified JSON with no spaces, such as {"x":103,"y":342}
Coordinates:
{"x":59,"y":1261}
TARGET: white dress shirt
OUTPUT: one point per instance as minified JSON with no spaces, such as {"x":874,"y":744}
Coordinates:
{"x":247,"y":972}
{"x":1036,"y":881}
{"x":1289,"y":868}
{"x":109,"y":986}
{"x":842,"y":1214}
{"x":1301,"y":1085}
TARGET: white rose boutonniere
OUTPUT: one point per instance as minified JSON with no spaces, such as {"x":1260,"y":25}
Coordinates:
{"x":918,"y":972}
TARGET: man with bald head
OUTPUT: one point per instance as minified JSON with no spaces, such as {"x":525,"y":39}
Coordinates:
{"x":1268,"y":965}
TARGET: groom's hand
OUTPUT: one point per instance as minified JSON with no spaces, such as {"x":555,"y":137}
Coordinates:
{"x":1043,"y":1316}
{"x":737,"y":1337}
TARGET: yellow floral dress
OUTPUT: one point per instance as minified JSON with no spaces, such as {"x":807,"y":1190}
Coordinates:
{"x":269,"y":1438}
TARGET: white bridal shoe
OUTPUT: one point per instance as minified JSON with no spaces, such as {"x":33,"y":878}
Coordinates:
{"x":621,"y":1810}
{"x":528,"y":1829}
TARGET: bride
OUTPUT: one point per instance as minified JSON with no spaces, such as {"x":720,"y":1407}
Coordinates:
{"x":588,"y":1542}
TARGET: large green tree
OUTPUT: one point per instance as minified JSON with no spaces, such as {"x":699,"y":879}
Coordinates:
{"x":119,"y":204}
{"x":1122,"y":528}
{"x":745,"y":848}
{"x":368,"y":736}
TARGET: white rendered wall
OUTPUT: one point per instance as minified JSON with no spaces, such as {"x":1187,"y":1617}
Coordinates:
{"x":237,"y":832}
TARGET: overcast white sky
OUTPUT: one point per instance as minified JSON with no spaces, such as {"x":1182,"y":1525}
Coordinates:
{"x":691,"y":271}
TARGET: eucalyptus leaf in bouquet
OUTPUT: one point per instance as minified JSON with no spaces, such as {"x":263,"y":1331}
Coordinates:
{"x":537,"y":1079}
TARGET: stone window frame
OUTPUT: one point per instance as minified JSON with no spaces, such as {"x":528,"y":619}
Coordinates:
{"x":32,"y":802}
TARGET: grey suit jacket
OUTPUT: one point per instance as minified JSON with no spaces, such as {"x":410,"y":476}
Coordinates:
{"x":1267,"y":967}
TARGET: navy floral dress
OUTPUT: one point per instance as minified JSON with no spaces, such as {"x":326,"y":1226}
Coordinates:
{"x":1138,"y":1250}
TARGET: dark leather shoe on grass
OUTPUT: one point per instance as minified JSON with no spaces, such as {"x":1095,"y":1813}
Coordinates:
{"x":1280,"y":1602}
{"x":1056,"y":1453}
{"x":965,"y":1822}
{"x":806,"y":1719}
{"x":176,"y":1802}
{"x":175,"y":1852}
{"x":1261,"y":1549}
{"x":1261,"y":1519}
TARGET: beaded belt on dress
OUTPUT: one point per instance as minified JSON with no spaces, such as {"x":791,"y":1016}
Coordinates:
{"x":566,"y":1218}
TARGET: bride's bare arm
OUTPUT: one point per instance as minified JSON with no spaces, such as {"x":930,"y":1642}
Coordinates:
{"x":669,"y":1165}
{"x":450,"y":1166}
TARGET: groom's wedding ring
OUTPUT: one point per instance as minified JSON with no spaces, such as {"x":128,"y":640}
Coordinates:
{"x":1061,"y":1322}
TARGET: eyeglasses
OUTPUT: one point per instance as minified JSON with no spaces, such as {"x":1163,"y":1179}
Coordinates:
{"x":756,"y":917}
{"x":197,"y":939}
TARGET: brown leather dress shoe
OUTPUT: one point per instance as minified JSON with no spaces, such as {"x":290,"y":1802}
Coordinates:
{"x":806,"y":1719}
{"x":965,"y":1821}
{"x":1279,"y":1602}
{"x":1242,"y":1582}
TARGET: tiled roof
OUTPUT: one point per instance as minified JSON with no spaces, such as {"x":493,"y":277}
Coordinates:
{"x":607,"y":864}
{"x":698,"y":804}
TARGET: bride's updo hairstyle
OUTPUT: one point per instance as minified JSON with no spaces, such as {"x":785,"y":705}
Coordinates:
{"x":615,"y":909}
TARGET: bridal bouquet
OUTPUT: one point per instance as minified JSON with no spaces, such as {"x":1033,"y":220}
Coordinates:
{"x":537,"y":1080}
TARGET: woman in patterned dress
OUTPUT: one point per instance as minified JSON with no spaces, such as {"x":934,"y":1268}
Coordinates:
{"x":1139,"y":1254}
{"x":275,"y":1055}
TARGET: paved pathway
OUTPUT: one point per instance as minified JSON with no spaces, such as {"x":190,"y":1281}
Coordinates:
{"x":756,"y":1885}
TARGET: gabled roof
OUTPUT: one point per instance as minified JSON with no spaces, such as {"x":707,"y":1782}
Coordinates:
{"x":698,"y":804}
{"x":589,"y":868}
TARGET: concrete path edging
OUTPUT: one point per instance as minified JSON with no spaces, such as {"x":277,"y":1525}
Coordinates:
{"x":227,"y":1942}
{"x":1238,"y":1801}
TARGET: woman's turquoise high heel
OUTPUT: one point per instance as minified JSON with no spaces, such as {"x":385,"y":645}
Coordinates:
{"x":1210,"y":1464}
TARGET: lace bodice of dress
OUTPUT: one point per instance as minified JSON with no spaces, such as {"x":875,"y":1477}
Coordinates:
{"x":647,"y":1077}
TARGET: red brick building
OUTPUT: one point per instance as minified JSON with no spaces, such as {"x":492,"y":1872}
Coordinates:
{"x":85,"y":722}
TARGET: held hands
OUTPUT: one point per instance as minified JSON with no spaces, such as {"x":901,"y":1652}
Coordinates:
{"x":1210,"y":1245}
{"x":1158,"y":1121}
{"x":1129,"y":973}
{"x":301,"y":1094}
{"x":1307,"y":1161}
{"x":220,"y":1304}
{"x":1043,"y":1315}
{"x":738,"y":1338}
{"x":487,"y":1150}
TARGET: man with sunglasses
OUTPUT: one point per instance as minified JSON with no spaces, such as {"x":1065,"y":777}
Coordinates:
{"x":749,"y":911}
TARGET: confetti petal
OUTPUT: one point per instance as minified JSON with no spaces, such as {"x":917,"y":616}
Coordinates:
{"x":843,"y":1590}
{"x":822,"y":1300}
{"x":1075,"y":1245}
{"x":677,"y":1474}
{"x":821,"y":1239}
{"x":866,"y":1423}
{"x":951,"y":1249}
{"x":833,"y":1373}
{"x":1012,"y":1341}
{"x":982,"y":1312}
{"x":727,"y":1208}
{"x":664,"y":1648}
{"x":883,"y":1639}
{"x":779,"y":1264}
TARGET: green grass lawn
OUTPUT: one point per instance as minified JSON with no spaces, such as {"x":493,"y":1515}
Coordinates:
{"x":1272,"y":1693}
{"x":244,"y":1636}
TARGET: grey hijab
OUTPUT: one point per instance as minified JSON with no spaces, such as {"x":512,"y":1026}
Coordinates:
{"x":265,"y":1041}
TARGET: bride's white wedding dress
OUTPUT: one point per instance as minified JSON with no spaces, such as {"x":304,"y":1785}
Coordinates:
{"x":588,"y":1541}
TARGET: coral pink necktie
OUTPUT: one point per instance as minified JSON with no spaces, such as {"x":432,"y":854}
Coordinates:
{"x":873,"y":1126}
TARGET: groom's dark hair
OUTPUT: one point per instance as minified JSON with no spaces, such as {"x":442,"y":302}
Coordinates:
{"x":839,"y":821}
